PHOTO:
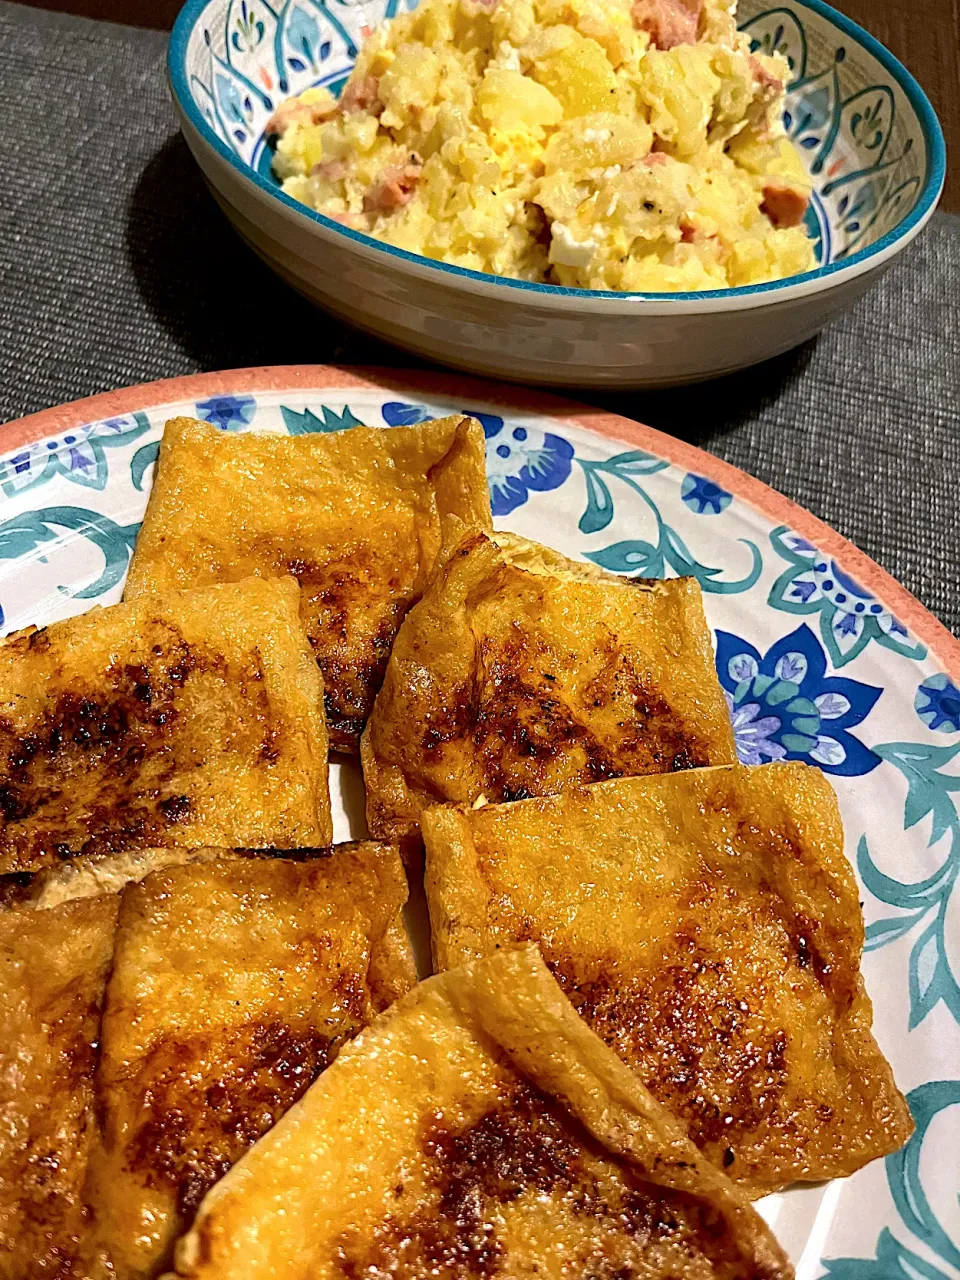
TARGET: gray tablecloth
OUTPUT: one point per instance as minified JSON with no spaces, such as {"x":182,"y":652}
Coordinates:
{"x":115,"y":268}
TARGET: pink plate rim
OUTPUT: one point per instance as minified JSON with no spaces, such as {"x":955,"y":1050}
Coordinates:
{"x":777,"y":508}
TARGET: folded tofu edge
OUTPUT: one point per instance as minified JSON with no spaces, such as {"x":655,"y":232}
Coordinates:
{"x":394,"y":803}
{"x":511,"y":1001}
{"x":458,"y":899}
{"x":464,"y":458}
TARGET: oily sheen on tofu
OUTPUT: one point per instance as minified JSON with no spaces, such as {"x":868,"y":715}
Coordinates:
{"x":234,"y":984}
{"x":357,"y":516}
{"x":53,"y":966}
{"x":707,"y":926}
{"x":521,"y":672}
{"x":90,"y":878}
{"x":187,"y":718}
{"x":478,"y":1127}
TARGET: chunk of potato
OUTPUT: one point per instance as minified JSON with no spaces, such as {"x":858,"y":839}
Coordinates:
{"x":579,"y":76}
{"x":612,"y":30}
{"x":769,"y":157}
{"x":738,"y":90}
{"x":510,"y":100}
{"x":300,"y":148}
{"x":410,"y":84}
{"x":559,"y":196}
{"x":597,"y":141}
{"x":679,"y":86}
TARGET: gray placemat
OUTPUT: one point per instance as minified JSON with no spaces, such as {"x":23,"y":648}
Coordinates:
{"x":117,"y":268}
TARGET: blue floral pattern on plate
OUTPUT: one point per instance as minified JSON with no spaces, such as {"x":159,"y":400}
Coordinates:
{"x":784,"y":706}
{"x":229,"y":413}
{"x":894,"y":1260}
{"x":703,"y":496}
{"x":863,"y":701}
{"x":520,"y":460}
{"x":938,"y":704}
{"x":850,"y":617}
{"x":32,"y":533}
{"x":309,"y":423}
{"x":641,"y":556}
{"x":77,"y":456}
{"x":923,"y":905}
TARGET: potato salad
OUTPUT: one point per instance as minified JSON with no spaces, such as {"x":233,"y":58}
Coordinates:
{"x":628,"y":145}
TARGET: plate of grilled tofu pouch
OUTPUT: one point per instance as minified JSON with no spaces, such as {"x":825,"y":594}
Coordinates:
{"x":451,"y":832}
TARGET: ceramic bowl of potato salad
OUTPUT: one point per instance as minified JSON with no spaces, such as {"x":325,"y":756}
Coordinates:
{"x":626,"y":145}
{"x":581,"y":193}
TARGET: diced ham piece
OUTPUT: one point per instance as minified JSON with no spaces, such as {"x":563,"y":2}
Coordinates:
{"x":688,"y":232}
{"x":295,"y":112}
{"x":668,"y":22}
{"x":785,"y":206}
{"x":655,"y":159}
{"x":333,"y":170}
{"x":394,"y":188}
{"x":764,"y":78}
{"x":362,"y":95}
{"x":356,"y":221}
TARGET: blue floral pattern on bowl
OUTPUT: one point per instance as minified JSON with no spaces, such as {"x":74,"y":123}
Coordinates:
{"x":867,"y":169}
{"x":862,"y":700}
{"x":857,"y":124}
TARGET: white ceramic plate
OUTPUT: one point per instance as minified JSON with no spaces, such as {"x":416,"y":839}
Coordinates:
{"x":824,"y":659}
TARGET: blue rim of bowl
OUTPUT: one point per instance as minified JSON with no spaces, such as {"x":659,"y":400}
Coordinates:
{"x":936,"y":168}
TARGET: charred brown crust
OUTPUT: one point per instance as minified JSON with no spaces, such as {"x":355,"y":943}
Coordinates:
{"x":690,"y":1027}
{"x":53,"y":967}
{"x":111,"y":734}
{"x":16,"y":888}
{"x":527,"y":1146}
{"x":517,"y":719}
{"x":521,"y":724}
{"x":740,"y":1005}
{"x":236,"y":982}
{"x":376,"y":504}
{"x":208,"y":1099}
{"x":350,"y":684}
{"x":120,"y":733}
{"x":517,"y":675}
{"x":524,"y":1146}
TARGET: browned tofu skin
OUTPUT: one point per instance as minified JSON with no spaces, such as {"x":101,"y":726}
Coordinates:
{"x":190,"y":719}
{"x":91,"y":877}
{"x":520,"y":673}
{"x":53,"y":965}
{"x":356,"y":516}
{"x":234,"y":984}
{"x":478,"y":1128}
{"x":707,"y":926}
